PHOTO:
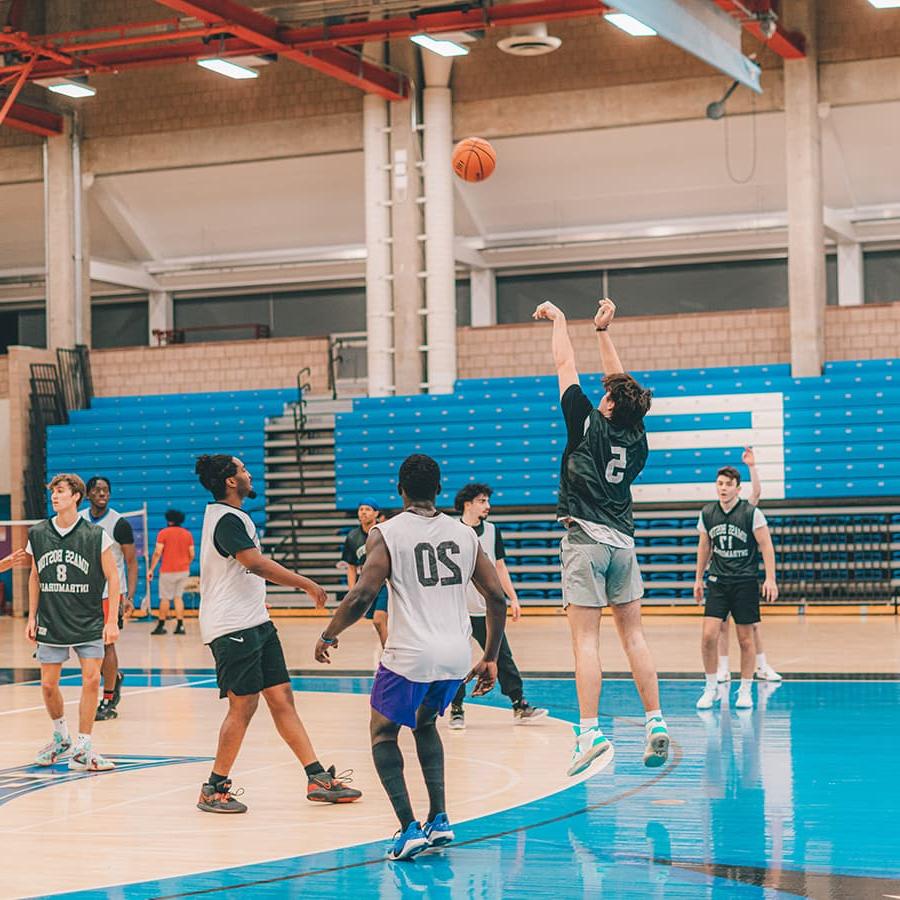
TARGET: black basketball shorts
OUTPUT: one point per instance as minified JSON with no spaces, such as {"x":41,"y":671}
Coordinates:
{"x":739,"y":599}
{"x":249,"y":661}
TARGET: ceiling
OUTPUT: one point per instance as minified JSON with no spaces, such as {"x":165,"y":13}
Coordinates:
{"x":546,"y":187}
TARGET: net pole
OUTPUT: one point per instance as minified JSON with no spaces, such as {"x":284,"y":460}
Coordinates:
{"x":145,"y":603}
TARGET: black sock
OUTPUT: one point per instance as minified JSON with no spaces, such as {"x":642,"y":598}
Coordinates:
{"x":518,"y":702}
{"x":389,"y":765}
{"x":431,"y":759}
{"x":217,"y":780}
{"x":180,"y":622}
{"x":314,"y":768}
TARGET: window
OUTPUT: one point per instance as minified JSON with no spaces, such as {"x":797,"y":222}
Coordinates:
{"x":119,"y":324}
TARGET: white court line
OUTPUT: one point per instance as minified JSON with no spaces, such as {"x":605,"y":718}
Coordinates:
{"x":166,"y":687}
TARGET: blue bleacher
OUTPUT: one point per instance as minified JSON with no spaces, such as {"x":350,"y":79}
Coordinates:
{"x":147,"y":447}
{"x":838,"y":432}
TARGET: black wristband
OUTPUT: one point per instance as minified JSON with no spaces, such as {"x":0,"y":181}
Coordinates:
{"x":601,"y":329}
{"x":326,"y":640}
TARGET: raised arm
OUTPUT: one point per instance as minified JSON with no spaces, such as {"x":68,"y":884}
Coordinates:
{"x":748,"y":457}
{"x":563,"y":351}
{"x":609,"y":359}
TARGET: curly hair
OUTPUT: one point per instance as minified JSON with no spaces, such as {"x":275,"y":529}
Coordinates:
{"x":213,"y":469}
{"x":420,"y":477}
{"x":631,"y":402}
{"x":174,"y":517}
{"x":92,"y":482}
{"x":469,"y":493}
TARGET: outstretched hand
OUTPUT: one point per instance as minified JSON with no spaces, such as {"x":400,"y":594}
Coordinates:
{"x":606,"y":310}
{"x":485,"y":674}
{"x":548,"y":310}
{"x":748,"y":457}
{"x":17,"y":559}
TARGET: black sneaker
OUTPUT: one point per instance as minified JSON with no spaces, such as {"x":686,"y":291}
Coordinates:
{"x":105,"y":711}
{"x":160,"y":628}
{"x":179,"y":629}
{"x":221,"y":799}
{"x":117,"y":690}
{"x":327,"y":787}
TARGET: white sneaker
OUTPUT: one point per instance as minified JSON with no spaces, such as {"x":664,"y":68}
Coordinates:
{"x":587,"y":749}
{"x":89,"y":761}
{"x":744,"y":700}
{"x":708,"y":699}
{"x":767,"y":673}
{"x":54,"y":751}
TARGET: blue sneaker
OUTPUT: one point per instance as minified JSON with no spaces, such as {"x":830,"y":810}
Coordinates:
{"x":438,"y":831}
{"x":408,"y":843}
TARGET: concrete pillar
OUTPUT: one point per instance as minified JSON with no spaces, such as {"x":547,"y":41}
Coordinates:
{"x":806,"y":227}
{"x":440,"y":260}
{"x":406,"y":251}
{"x":851,"y":284}
{"x":483,"y":297}
{"x":66,"y":249}
{"x":160,"y":314}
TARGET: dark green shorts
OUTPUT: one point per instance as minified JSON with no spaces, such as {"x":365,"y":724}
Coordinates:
{"x":249,"y":661}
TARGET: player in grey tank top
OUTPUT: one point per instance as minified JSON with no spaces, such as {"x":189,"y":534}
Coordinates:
{"x":429,"y":560}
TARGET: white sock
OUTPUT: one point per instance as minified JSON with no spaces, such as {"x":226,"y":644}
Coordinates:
{"x":711,"y":682}
{"x":760,"y":660}
{"x":585,"y":737}
{"x":746,"y":685}
{"x":585,"y":724}
{"x":83,"y":742}
{"x":653,"y":714}
{"x":61,"y":727}
{"x":723,"y":664}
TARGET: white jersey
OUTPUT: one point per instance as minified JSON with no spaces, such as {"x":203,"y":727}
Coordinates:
{"x":432,"y":563}
{"x":232,"y":598}
{"x":108,"y":522}
{"x":488,"y":539}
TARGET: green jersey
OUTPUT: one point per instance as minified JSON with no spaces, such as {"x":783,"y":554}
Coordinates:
{"x":70,"y":571}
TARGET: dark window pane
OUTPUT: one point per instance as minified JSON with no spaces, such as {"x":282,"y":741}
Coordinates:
{"x":119,"y":324}
{"x":882,"y":276}
{"x":463,"y":303}
{"x":33,"y":328}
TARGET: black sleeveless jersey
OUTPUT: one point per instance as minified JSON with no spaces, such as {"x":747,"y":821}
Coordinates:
{"x":71,"y":576}
{"x":735,"y":553}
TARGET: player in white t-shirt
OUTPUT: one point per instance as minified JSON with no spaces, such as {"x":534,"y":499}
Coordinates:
{"x":235,"y":623}
{"x":429,"y":559}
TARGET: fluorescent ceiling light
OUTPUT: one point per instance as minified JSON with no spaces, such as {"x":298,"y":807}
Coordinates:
{"x":630,"y":24}
{"x":70,"y":87}
{"x":227,"y":68}
{"x":442,"y":48}
{"x":885,"y":4}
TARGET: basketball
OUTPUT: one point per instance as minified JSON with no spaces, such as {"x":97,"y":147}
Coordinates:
{"x":474,"y":159}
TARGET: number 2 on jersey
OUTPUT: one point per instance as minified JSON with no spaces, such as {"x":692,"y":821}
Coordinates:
{"x":427,"y":559}
{"x":615,"y":471}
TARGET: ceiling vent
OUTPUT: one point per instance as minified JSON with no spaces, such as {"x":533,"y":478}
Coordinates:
{"x":529,"y":40}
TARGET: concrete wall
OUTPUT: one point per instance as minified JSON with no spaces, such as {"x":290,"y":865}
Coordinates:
{"x":220,"y":366}
{"x":695,"y":340}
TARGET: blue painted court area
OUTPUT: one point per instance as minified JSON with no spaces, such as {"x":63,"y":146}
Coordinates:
{"x":797,"y":797}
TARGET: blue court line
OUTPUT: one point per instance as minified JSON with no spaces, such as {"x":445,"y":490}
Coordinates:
{"x":761,"y":804}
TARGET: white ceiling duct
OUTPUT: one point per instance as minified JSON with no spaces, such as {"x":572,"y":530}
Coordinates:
{"x":529,"y":40}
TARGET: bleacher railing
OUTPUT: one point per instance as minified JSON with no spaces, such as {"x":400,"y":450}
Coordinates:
{"x":54,"y":391}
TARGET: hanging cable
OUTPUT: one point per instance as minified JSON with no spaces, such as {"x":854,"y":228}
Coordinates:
{"x":728,"y":166}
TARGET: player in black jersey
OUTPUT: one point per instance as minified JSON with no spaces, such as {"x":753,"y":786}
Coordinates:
{"x":605,"y":451}
{"x":733,"y":535}
{"x":72,"y":562}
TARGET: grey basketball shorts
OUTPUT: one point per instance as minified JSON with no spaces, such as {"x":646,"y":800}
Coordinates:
{"x":597,"y":574}
{"x":54,"y":653}
{"x":171,"y":584}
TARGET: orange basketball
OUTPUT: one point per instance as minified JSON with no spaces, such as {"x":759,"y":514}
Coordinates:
{"x":474,"y":159}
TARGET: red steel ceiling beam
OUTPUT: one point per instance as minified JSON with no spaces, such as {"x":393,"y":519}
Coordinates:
{"x":787,"y":44}
{"x":20,"y":80}
{"x":34,"y":120}
{"x":254,"y":27}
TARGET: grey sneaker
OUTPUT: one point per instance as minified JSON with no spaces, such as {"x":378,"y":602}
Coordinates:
{"x":525,"y":714}
{"x":457,"y":718}
{"x":220,"y":800}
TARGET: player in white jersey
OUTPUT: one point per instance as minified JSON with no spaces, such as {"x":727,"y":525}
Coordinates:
{"x":99,"y":512}
{"x":429,"y":560}
{"x":235,"y":623}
